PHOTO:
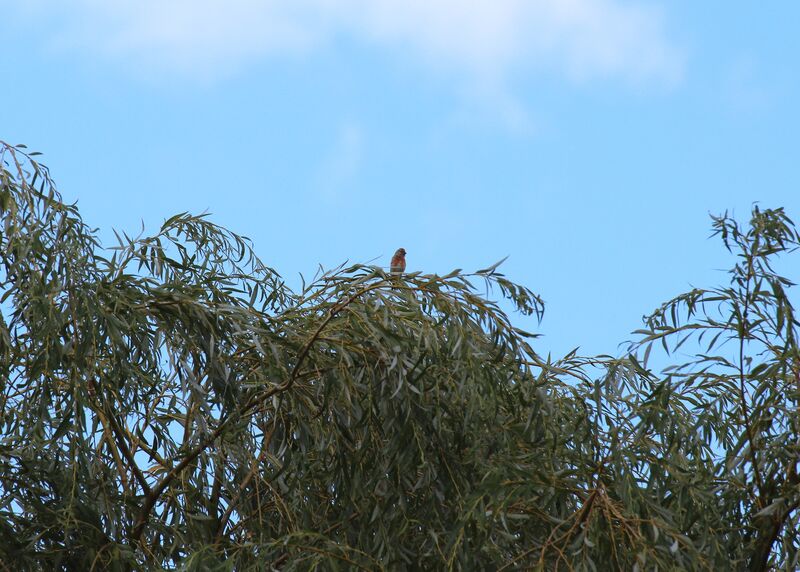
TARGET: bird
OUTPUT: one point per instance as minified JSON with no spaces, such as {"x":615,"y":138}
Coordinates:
{"x":398,"y":264}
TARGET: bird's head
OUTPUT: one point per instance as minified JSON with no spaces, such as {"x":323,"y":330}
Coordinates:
{"x":400,"y":252}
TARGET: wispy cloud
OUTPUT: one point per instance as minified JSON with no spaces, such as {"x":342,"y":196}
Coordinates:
{"x":341,"y":164}
{"x":487,"y":40}
{"x":491,"y":38}
{"x":744,"y":90}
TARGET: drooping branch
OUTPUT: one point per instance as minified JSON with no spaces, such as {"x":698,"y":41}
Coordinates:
{"x":151,"y":498}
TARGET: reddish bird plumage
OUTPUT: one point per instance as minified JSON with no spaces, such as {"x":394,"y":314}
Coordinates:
{"x":398,"y":264}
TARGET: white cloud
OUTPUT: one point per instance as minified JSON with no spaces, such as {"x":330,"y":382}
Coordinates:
{"x":486,"y":40}
{"x":492,"y":38}
{"x":199,"y":38}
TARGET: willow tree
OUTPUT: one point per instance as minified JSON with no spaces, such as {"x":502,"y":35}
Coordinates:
{"x":170,"y":403}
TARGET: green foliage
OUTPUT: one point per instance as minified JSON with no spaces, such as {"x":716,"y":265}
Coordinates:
{"x":171,"y":403}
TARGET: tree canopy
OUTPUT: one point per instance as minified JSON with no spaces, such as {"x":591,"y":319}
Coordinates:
{"x":170,"y":403}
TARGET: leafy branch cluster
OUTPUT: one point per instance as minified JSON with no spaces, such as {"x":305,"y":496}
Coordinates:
{"x":171,"y":403}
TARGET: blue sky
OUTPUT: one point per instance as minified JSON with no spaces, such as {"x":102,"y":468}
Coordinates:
{"x":586,"y":139}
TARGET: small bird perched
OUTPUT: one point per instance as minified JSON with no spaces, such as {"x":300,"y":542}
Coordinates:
{"x":398,"y":264}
